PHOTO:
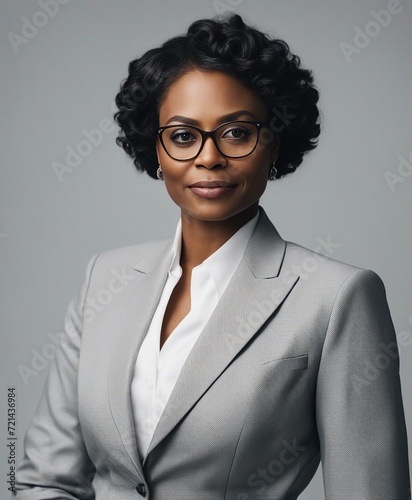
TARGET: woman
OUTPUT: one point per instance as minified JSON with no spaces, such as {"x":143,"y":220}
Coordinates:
{"x":223,"y":363}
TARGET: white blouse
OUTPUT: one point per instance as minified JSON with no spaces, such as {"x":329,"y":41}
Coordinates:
{"x":156,"y":370}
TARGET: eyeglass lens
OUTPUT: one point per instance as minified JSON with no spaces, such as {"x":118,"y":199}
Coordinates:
{"x":233,"y":139}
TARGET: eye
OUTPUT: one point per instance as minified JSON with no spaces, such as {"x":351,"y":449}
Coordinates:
{"x":237,"y":133}
{"x":182,"y":136}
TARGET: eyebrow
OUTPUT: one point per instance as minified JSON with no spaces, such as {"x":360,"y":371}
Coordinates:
{"x":222,"y":119}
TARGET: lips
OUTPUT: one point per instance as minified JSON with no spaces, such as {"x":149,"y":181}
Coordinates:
{"x":212,"y":184}
{"x":211,"y":189}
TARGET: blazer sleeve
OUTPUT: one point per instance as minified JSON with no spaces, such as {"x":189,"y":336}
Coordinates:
{"x":359,"y":407}
{"x":55,"y":463}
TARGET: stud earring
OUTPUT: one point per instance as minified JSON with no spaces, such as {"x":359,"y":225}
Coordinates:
{"x":273,"y":171}
{"x":159,"y":173}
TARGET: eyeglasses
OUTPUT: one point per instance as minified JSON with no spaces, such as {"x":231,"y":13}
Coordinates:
{"x":233,"y":139}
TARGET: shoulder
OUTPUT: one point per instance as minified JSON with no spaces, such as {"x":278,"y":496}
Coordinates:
{"x":316,"y":268}
{"x":140,"y":256}
{"x":327,"y":276}
{"x":134,"y":253}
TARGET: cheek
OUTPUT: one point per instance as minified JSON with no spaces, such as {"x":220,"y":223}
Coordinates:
{"x":174,"y":174}
{"x":257,"y":180}
{"x":174,"y":179}
{"x":258,"y":174}
{"x":173,"y":191}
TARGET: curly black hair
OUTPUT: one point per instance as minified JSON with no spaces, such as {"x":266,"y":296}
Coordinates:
{"x":262,"y":64}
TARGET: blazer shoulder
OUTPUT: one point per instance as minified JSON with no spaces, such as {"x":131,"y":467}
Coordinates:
{"x":138,"y":256}
{"x":334,"y":284}
{"x":324,"y":267}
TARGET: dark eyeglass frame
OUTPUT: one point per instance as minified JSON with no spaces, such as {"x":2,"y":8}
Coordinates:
{"x":212,"y":134}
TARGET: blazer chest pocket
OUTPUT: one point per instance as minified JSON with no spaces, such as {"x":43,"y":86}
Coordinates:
{"x":292,"y":363}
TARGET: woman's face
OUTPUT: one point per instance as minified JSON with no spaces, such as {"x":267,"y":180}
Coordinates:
{"x":204,"y":99}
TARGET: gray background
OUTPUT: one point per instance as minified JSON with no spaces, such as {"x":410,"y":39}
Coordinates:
{"x":64,"y":79}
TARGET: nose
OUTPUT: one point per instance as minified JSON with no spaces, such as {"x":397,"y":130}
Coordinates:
{"x":210,"y":156}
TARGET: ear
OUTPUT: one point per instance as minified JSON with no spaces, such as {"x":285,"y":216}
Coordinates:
{"x":157,"y":153}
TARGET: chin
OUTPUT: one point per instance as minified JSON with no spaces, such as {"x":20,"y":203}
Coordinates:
{"x":216,"y":213}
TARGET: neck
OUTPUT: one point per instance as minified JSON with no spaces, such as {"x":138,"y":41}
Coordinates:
{"x":200,"y":239}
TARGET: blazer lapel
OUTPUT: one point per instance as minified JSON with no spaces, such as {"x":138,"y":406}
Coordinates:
{"x":233,"y":323}
{"x":139,"y":301}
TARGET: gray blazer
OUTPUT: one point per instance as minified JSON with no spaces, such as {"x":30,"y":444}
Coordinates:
{"x":297,"y":364}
